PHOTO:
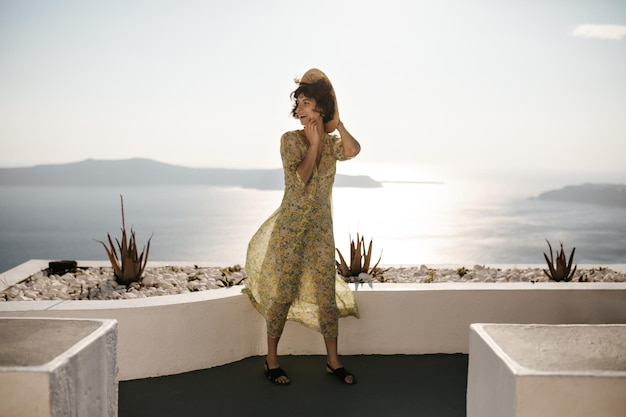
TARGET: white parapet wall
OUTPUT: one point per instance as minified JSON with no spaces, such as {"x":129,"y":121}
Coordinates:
{"x":179,"y":333}
{"x":58,"y":367}
{"x":547,"y":370}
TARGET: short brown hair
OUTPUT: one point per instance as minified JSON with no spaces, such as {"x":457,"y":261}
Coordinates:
{"x":319,"y":90}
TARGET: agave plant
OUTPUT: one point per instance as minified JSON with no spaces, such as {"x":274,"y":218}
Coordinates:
{"x":360,"y":258}
{"x":560,"y":270}
{"x":128,"y":267}
{"x":462,"y":271}
{"x":231,"y":276}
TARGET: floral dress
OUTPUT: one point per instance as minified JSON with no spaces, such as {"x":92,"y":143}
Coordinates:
{"x":291,"y":258}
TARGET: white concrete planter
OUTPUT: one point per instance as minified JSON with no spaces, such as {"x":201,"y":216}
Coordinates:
{"x":174,"y":334}
{"x":58,"y":367}
{"x":546,"y":370}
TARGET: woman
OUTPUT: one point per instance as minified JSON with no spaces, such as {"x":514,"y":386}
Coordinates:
{"x":291,"y":258}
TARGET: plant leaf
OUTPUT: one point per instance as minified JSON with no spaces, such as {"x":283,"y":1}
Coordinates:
{"x":355,"y":265}
{"x":367,"y":257}
{"x":343,"y":267}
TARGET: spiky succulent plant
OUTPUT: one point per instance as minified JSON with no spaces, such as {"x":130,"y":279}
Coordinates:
{"x":128,"y":267}
{"x":559,"y":269}
{"x":360,"y":258}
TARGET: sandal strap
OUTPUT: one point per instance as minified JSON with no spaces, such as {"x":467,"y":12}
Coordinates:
{"x":274,"y":374}
{"x":342,"y":373}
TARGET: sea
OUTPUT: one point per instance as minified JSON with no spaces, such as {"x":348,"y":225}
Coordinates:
{"x":409,"y":223}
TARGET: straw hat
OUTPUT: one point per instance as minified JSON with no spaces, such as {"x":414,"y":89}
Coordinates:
{"x":313,"y":75}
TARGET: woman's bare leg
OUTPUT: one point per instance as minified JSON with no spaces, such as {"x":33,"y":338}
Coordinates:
{"x":275,"y":326}
{"x":272,"y":358}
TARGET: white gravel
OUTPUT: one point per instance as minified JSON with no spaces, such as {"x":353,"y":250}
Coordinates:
{"x":100,"y":284}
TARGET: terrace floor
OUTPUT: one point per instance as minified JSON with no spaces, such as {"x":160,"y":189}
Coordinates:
{"x":388,"y":386}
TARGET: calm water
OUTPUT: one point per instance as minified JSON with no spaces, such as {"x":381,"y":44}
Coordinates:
{"x":410,"y":223}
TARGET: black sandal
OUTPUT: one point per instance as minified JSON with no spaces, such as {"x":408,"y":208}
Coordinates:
{"x":342,"y":374}
{"x":274,"y":374}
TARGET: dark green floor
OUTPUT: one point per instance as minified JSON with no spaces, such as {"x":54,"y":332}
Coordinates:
{"x":395,"y":385}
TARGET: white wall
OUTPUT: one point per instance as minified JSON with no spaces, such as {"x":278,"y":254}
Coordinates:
{"x":174,"y":334}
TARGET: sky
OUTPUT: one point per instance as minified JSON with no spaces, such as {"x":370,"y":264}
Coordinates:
{"x":429,"y":88}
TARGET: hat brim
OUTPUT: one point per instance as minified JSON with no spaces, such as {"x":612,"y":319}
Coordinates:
{"x":313,"y":75}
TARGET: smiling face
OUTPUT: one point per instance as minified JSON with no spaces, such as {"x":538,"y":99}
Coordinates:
{"x":306,"y":110}
{"x":320,"y":101}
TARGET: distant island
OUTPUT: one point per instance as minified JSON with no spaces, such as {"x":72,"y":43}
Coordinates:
{"x":603,"y":194}
{"x":146,"y":172}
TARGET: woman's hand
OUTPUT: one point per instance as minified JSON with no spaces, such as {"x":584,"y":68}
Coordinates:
{"x":314,"y":132}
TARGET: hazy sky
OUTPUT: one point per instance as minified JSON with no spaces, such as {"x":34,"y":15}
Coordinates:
{"x":492,"y":86}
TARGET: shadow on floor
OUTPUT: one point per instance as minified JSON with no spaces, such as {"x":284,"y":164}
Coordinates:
{"x":394,"y":385}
